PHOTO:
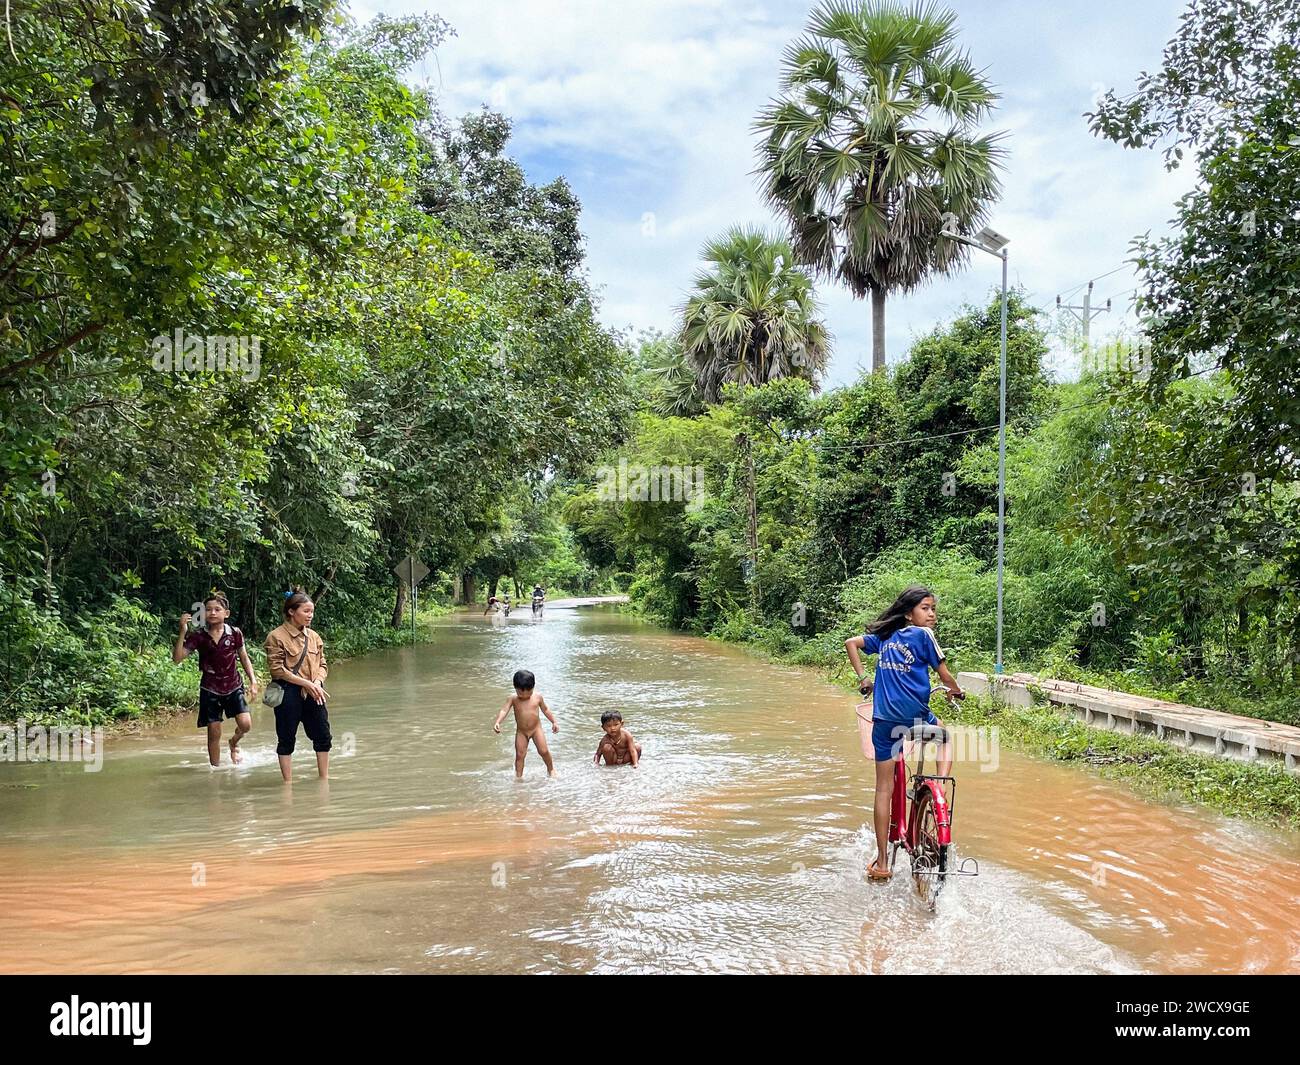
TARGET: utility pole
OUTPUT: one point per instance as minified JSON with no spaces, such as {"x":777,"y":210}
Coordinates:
{"x":1084,"y":314}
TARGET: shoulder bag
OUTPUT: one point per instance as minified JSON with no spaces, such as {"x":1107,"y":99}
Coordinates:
{"x":273,"y":693}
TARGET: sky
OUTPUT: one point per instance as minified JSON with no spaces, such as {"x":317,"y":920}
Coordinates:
{"x":646,"y":108}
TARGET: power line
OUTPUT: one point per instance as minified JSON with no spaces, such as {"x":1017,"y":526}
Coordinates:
{"x":1067,"y":295}
{"x":1115,"y":271}
{"x":890,"y":443}
{"x":1108,"y":273}
{"x":1086,"y":313}
{"x":867,"y":445}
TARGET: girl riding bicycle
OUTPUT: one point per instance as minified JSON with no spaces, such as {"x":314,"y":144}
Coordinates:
{"x":903,"y":637}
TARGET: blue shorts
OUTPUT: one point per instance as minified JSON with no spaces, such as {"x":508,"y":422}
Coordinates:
{"x":887,"y":736}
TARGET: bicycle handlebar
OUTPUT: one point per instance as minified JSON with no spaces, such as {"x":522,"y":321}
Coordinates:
{"x":868,"y":685}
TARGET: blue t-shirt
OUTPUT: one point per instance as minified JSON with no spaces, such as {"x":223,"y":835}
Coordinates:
{"x":903,"y":673}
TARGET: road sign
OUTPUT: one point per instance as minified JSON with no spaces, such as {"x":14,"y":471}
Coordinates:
{"x":411,"y":570}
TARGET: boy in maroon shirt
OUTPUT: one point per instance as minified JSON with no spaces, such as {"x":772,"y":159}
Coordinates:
{"x":220,"y":689}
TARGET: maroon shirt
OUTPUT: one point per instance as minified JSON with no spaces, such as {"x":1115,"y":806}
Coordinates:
{"x":218,"y":659}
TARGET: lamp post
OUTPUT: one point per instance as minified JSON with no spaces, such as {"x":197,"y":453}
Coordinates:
{"x":996,"y":245}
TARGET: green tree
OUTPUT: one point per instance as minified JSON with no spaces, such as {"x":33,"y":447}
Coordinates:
{"x":1221,"y":296}
{"x":107,"y":123}
{"x":473,"y":187}
{"x":873,"y":142}
{"x":892,"y":446}
{"x":753,"y":316}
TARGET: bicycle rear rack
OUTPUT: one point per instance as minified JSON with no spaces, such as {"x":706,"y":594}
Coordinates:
{"x":961,"y":870}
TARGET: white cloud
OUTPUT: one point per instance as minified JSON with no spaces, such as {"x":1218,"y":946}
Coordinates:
{"x":647,"y":107}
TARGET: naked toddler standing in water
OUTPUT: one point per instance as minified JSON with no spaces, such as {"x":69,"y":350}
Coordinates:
{"x":528,"y":707}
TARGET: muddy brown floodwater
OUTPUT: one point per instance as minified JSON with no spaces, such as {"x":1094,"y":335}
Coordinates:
{"x":738,"y":846}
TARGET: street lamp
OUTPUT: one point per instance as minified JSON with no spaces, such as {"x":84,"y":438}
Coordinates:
{"x":995,"y":244}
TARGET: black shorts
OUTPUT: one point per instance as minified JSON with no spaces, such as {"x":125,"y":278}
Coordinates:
{"x":299,"y":707}
{"x":213,"y":707}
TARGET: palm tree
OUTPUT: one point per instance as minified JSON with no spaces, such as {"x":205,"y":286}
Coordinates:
{"x":873,"y":142}
{"x":670,"y":377}
{"x":752,"y":316}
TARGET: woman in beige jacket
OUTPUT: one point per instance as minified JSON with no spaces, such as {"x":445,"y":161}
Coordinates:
{"x":304,"y":687}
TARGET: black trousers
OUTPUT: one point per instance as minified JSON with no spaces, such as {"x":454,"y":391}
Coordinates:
{"x":299,"y":707}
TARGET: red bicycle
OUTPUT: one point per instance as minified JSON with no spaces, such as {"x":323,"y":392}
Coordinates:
{"x":925,"y":831}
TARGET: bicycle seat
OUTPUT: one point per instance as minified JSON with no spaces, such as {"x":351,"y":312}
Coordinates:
{"x":923,"y":733}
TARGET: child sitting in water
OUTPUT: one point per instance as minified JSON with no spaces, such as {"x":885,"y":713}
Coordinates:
{"x":617,"y":746}
{"x":528,"y":724}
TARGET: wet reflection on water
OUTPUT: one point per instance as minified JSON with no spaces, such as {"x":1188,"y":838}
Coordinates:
{"x":739,"y":846}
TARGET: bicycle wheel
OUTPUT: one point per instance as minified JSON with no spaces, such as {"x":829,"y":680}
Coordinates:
{"x":929,"y":857}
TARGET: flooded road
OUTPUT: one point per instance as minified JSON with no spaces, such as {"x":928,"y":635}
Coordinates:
{"x":739,"y":845}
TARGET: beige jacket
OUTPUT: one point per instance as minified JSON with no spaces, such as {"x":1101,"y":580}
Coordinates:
{"x":284,"y":645}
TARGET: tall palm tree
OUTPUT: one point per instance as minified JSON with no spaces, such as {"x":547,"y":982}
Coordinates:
{"x":873,"y":141}
{"x":752,"y":316}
